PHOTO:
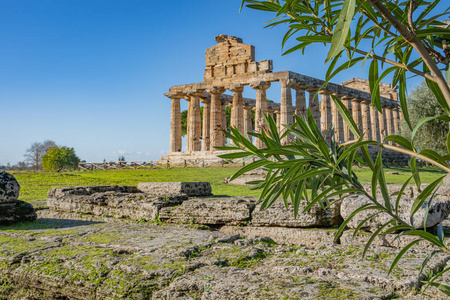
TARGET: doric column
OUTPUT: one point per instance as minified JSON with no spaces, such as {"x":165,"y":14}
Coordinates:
{"x":286,"y":106}
{"x":337,"y":121}
{"x":215,"y":133}
{"x":224,"y":121}
{"x":395,"y":118}
{"x":389,"y":126}
{"x":175,"y":122}
{"x":206,"y":141}
{"x":365,"y":119}
{"x":248,"y":125}
{"x":325,"y":114}
{"x":346,"y":100}
{"x":356,"y":113}
{"x":300,"y":101}
{"x":381,"y":124}
{"x":194,"y":120}
{"x":374,"y":123}
{"x":314,"y":106}
{"x":237,"y":108}
{"x":277,"y":112}
{"x":260,"y":108}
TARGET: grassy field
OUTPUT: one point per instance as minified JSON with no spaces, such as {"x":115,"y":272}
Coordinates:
{"x":35,"y":185}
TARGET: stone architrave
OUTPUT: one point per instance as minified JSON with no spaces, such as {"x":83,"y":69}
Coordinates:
{"x":285,"y":106}
{"x":346,"y":100}
{"x":175,"y":122}
{"x":237,"y":109}
{"x":395,"y":118}
{"x":248,"y":125}
{"x":356,"y":113}
{"x":381,"y":124}
{"x":260,"y":108}
{"x":325,"y":114}
{"x":365,"y":118}
{"x":300,"y":101}
{"x":374,"y":123}
{"x":206,"y":141}
{"x":314,"y":105}
{"x":194,"y":121}
{"x":215,"y":132}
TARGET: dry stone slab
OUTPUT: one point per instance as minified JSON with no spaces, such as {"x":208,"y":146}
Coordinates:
{"x":285,"y":236}
{"x":79,"y":260}
{"x":439,"y":211}
{"x":211,"y":211}
{"x":111,"y":202}
{"x":278,"y":215}
{"x":192,"y":189}
{"x":9,"y":187}
{"x":89,"y":190}
{"x":16,"y":211}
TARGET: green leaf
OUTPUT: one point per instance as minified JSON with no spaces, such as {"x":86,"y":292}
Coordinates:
{"x":426,"y":235}
{"x":424,"y":195}
{"x":447,"y":72}
{"x":374,"y":235}
{"x":398,"y":139}
{"x":400,"y":193}
{"x":401,"y":253}
{"x":374,"y":86}
{"x":415,"y":172}
{"x":249,"y":167}
{"x":350,"y":217}
{"x":345,"y":114}
{"x":425,"y":261}
{"x":342,"y":28}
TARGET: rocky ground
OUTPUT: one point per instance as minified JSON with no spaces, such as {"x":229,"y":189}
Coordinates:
{"x":70,"y":258}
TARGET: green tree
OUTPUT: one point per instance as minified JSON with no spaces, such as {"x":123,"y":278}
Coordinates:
{"x":59,"y":158}
{"x":405,"y":35}
{"x":421,"y":104}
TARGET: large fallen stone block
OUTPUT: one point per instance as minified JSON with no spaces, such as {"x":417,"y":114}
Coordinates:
{"x":9,"y":188}
{"x":210,"y":211}
{"x":16,"y":211}
{"x":439,"y":211}
{"x":285,"y":236}
{"x":278,"y":215}
{"x":89,"y":190}
{"x":192,"y":189}
{"x":134,"y":206}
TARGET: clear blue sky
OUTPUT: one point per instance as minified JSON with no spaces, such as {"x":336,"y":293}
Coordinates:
{"x":91,"y":74}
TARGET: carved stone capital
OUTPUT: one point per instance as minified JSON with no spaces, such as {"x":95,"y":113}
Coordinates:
{"x":195,"y":92}
{"x":236,"y":88}
{"x":288,"y":83}
{"x":260,"y":85}
{"x":215,"y":90}
{"x":174,"y":95}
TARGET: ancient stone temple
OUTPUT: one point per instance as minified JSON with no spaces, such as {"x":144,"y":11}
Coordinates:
{"x":231,"y":65}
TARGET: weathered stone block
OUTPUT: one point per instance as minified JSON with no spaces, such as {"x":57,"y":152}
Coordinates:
{"x":16,"y":211}
{"x":9,"y":188}
{"x":134,"y":206}
{"x":278,"y":215}
{"x":89,"y":190}
{"x":285,"y":236}
{"x":252,"y":67}
{"x":210,"y":211}
{"x":439,"y":211}
{"x":192,"y":189}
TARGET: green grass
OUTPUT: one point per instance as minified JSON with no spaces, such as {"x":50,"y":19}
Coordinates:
{"x":35,"y":185}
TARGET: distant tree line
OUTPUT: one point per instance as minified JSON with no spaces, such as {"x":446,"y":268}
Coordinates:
{"x":46,"y":156}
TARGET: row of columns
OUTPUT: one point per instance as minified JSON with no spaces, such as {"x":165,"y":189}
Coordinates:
{"x":203,"y":134}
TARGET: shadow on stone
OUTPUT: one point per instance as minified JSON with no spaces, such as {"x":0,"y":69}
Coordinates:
{"x":46,"y":223}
